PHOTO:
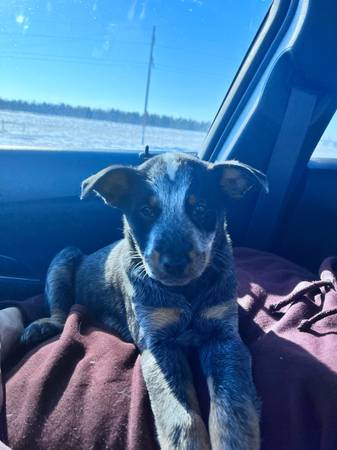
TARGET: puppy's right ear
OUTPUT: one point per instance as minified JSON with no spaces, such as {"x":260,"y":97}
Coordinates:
{"x":115,"y":184}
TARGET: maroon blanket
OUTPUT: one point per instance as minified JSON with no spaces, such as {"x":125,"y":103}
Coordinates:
{"x":85,"y":389}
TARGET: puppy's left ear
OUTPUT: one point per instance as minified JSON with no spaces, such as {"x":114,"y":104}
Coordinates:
{"x":237,"y":178}
{"x":115,"y":184}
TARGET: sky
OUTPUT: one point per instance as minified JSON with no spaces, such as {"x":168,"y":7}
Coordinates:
{"x":96,"y":52}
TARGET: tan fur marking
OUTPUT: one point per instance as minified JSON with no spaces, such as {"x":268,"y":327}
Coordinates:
{"x":163,"y":317}
{"x":192,"y":199}
{"x":231,"y":175}
{"x":214,"y":427}
{"x":213,"y":421}
{"x":219,"y":423}
{"x":153,"y":201}
{"x":215,"y":312}
{"x":193,"y":255}
{"x":217,"y":430}
{"x":234,"y":183}
{"x":192,"y":397}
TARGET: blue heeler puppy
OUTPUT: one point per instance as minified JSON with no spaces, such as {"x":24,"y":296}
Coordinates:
{"x":169,"y":284}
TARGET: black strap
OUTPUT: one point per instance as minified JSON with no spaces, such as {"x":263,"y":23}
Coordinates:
{"x":281,"y":168}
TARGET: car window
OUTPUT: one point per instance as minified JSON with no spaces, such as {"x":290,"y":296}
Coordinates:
{"x":105,"y":75}
{"x":327,"y":146}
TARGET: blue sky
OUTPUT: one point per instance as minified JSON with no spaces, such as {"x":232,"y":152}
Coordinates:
{"x":95,"y":52}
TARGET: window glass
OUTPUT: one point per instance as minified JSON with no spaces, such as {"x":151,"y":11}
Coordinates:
{"x":327,"y":146}
{"x":75,"y":74}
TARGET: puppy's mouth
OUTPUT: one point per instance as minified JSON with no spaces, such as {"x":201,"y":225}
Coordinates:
{"x":190,"y":274}
{"x":172,"y":281}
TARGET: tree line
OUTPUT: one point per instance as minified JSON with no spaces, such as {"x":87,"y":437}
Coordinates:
{"x":112,"y":115}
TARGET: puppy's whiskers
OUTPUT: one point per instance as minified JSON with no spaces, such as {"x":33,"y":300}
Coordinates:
{"x":218,"y":261}
{"x":137,"y":265}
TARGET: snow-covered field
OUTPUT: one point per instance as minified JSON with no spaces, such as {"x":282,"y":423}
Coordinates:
{"x":326,"y":148}
{"x":23,"y":130}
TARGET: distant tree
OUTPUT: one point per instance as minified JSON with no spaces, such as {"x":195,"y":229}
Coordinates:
{"x":112,"y":115}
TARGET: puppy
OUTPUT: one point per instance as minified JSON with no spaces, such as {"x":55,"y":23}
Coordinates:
{"x":167,"y":285}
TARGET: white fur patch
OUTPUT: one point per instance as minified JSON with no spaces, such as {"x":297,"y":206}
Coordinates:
{"x":172,"y":165}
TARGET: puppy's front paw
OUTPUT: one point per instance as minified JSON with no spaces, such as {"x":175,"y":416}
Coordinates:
{"x":40,"y":330}
{"x":199,"y":438}
{"x":191,"y":435}
{"x":234,"y":428}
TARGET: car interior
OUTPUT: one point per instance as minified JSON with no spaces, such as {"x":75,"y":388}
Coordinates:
{"x":277,"y":108}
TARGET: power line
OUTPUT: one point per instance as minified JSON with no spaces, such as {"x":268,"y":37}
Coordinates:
{"x":117,"y":41}
{"x":70,"y":59}
{"x":92,"y":61}
{"x":67,"y":38}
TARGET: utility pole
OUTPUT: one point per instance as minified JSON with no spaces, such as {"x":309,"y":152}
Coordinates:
{"x":149,"y":70}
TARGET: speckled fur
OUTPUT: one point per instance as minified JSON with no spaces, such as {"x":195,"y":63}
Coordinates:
{"x":201,"y":313}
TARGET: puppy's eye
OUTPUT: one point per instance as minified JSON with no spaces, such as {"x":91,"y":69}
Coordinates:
{"x":147,"y":212}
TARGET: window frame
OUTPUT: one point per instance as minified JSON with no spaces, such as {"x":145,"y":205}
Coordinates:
{"x":260,"y":53}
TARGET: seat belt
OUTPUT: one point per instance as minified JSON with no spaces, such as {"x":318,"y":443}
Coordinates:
{"x":282,"y":165}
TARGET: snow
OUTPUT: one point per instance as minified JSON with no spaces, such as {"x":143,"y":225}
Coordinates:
{"x":326,"y":148}
{"x":22,"y":130}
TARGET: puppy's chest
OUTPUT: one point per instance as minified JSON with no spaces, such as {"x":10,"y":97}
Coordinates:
{"x":179,"y":321}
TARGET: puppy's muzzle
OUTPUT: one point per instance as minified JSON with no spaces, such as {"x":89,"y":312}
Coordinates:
{"x":174,"y":269}
{"x":174,"y":265}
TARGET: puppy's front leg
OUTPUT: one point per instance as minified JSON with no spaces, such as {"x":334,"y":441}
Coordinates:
{"x":173,"y":399}
{"x":234,"y":419}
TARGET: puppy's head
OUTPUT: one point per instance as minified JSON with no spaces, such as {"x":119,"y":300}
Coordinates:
{"x":173,"y":206}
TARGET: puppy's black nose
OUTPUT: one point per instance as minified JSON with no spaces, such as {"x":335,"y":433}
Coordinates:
{"x":174,"y":265}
